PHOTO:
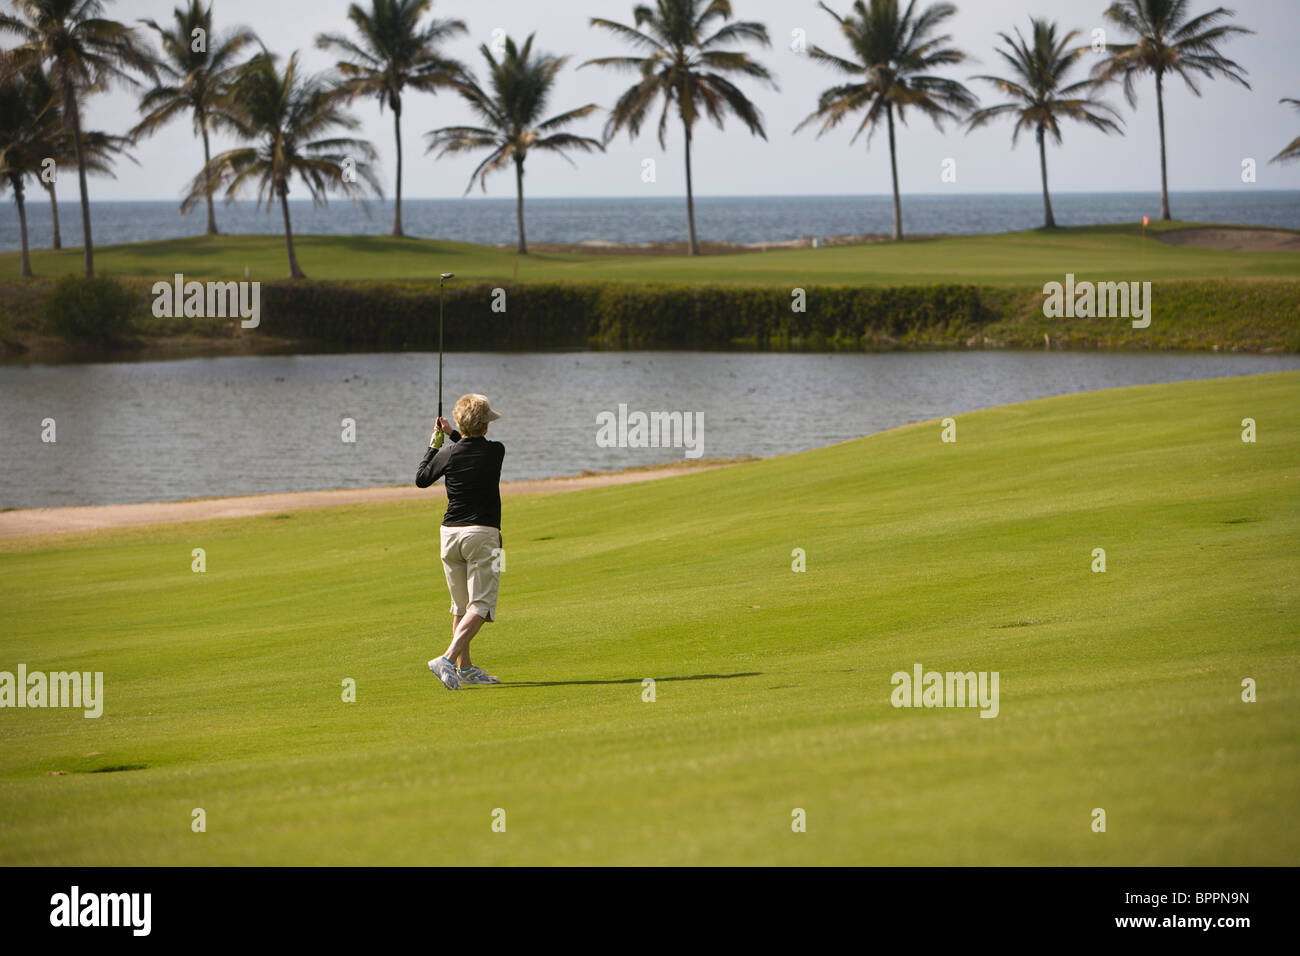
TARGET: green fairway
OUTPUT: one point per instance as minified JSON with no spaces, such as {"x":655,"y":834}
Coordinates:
{"x":1022,"y":258}
{"x":1119,"y":690}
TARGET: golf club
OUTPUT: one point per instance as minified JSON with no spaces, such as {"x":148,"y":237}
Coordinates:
{"x":441,"y":279}
{"x":433,"y":441}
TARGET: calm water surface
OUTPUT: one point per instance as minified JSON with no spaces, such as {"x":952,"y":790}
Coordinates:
{"x":655,"y":219}
{"x":158,"y":431}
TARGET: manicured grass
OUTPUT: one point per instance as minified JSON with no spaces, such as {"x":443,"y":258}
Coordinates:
{"x":1119,"y":690}
{"x":1022,"y":258}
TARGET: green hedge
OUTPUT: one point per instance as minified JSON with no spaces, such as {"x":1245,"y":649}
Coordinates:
{"x":1229,"y":315}
{"x":390,"y":315}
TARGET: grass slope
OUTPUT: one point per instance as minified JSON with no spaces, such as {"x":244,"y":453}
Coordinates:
{"x":1021,"y":258}
{"x":1118,"y":690}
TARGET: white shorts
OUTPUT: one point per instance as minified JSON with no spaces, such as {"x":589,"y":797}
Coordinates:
{"x":471,"y":560}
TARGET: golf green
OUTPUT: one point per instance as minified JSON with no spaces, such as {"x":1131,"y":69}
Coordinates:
{"x":1119,"y":691}
{"x":1021,"y":258}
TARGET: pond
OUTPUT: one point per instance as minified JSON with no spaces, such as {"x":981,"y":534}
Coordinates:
{"x":169,"y":430}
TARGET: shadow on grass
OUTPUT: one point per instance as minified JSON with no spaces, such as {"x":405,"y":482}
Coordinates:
{"x":624,"y":680}
{"x":117,"y":768}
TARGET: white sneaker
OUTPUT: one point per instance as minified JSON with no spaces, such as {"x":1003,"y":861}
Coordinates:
{"x":445,"y":671}
{"x":476,"y":675}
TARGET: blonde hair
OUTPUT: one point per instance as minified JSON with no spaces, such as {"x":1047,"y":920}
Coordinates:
{"x":472,"y":414}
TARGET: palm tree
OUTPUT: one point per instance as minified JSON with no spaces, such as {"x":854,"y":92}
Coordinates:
{"x":894,"y":52}
{"x":284,"y":114}
{"x":521,"y":86}
{"x":1168,"y":42}
{"x":101,"y":148}
{"x":8,"y":181}
{"x":86,"y":53}
{"x":1292,"y":151}
{"x":194,"y":81}
{"x":59,"y":147}
{"x":686,"y":65}
{"x":27,"y":126}
{"x":393,"y":52}
{"x":1040,"y":97}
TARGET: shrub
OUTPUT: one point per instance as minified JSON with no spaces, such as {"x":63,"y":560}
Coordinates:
{"x":95,"y":310}
{"x":620,"y":315}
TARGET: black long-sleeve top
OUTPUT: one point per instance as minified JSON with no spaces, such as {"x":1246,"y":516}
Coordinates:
{"x":471,"y":470}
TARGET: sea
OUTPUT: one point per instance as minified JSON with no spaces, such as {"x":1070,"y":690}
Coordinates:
{"x":626,"y":220}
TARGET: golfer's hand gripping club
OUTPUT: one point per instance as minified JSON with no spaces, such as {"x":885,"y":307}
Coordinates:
{"x":439,"y":432}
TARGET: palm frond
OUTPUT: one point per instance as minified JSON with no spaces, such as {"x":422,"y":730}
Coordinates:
{"x":509,"y":106}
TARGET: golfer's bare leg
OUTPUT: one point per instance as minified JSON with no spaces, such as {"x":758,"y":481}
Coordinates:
{"x":465,"y":631}
{"x":463,"y":661}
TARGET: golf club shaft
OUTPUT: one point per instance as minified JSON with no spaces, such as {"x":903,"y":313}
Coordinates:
{"x":440,"y":348}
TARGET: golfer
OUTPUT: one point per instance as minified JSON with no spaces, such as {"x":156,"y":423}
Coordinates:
{"x":471,"y":530}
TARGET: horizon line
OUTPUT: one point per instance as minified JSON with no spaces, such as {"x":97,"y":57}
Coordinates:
{"x":74,"y":200}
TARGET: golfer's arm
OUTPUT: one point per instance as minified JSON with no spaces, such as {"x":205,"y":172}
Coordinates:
{"x":431,"y":468}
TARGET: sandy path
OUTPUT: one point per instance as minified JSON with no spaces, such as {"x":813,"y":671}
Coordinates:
{"x":39,"y":521}
{"x":605,"y":247}
{"x":1240,"y":240}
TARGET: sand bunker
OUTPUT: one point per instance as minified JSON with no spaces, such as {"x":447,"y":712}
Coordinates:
{"x":1237,"y":240}
{"x":38,"y":521}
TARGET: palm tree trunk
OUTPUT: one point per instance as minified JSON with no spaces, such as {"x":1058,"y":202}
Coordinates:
{"x":211,"y":228}
{"x":1164,"y":173}
{"x":17,"y":184}
{"x":54,"y":216}
{"x":690,"y":197}
{"x":893,"y":166}
{"x":519,"y":204}
{"x":1050,"y":221}
{"x":73,"y":112}
{"x":397,"y":205}
{"x":294,"y":271}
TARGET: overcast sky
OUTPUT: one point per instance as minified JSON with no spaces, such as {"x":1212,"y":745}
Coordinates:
{"x":1208,"y":137}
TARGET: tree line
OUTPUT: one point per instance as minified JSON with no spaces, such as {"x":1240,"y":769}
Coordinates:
{"x":685,"y":59}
